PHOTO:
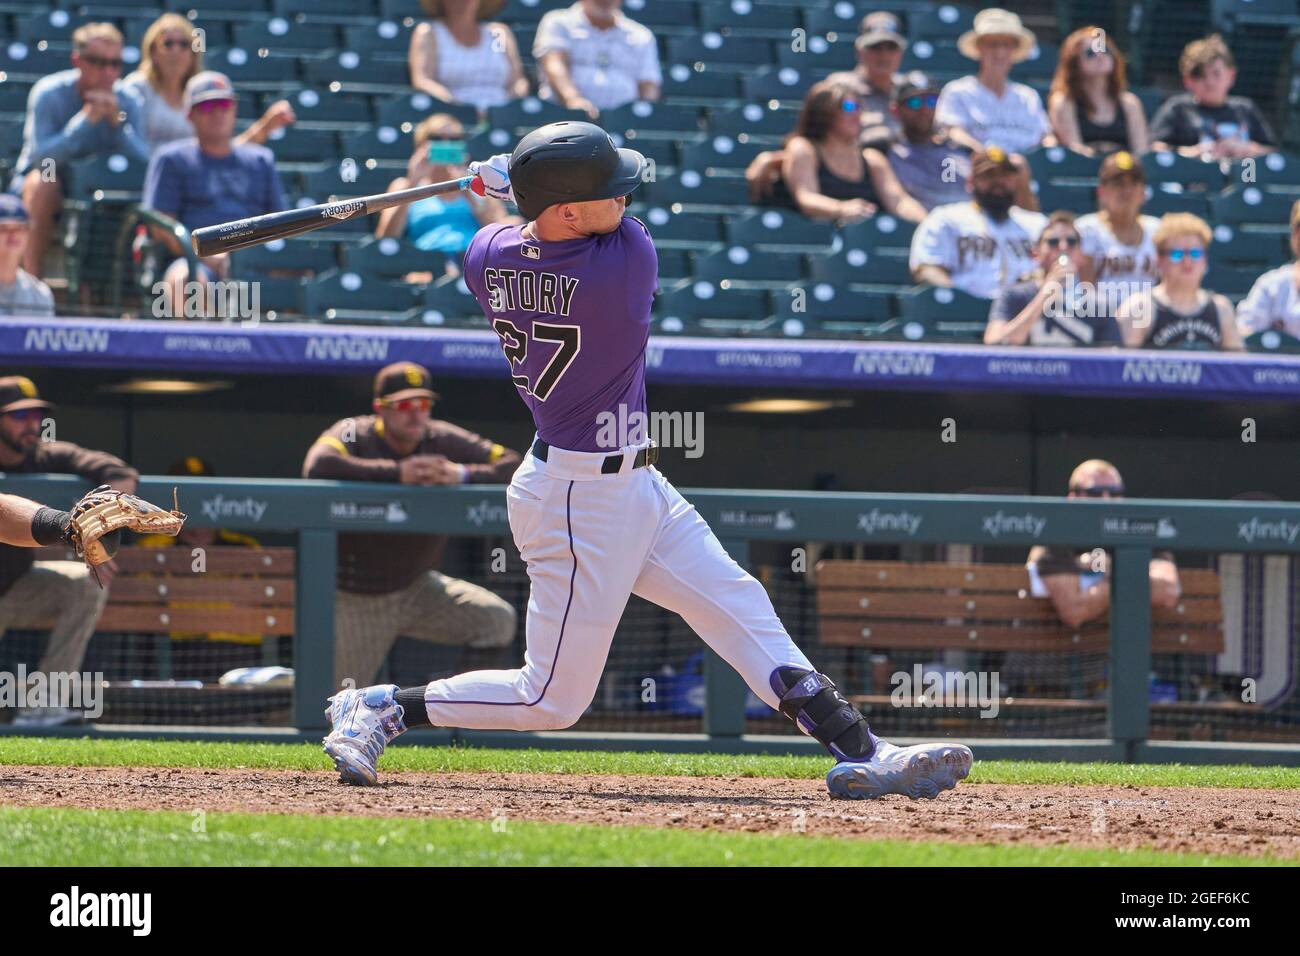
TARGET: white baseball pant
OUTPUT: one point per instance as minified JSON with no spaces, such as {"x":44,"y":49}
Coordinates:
{"x":591,"y":540}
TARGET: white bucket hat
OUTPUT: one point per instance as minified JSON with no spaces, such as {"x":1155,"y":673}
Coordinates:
{"x":996,"y":22}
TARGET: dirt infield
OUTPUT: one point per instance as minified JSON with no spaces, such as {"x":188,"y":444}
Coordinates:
{"x":1182,"y":819}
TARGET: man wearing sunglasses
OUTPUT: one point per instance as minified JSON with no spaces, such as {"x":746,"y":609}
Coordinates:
{"x":73,"y":114}
{"x":931,"y":165}
{"x":208,"y":180}
{"x":1079,"y":583}
{"x":32,"y":592}
{"x":21,"y":293}
{"x":388,"y":585}
{"x":880,"y":47}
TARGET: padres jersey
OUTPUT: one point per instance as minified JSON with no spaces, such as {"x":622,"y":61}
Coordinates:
{"x":573,"y":318}
{"x":983,"y":256}
{"x":1122,"y":270}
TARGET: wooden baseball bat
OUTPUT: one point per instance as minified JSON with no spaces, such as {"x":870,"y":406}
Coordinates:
{"x":242,"y":233}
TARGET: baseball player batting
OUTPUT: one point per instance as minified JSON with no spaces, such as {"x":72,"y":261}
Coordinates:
{"x":570,"y":293}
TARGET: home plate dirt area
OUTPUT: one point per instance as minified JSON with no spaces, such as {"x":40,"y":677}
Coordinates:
{"x":1239,"y":822}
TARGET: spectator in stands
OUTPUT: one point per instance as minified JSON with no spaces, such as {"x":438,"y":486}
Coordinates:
{"x":1090,"y":106}
{"x":387,"y":583}
{"x":1079,"y":583}
{"x":440,"y":223}
{"x":169,"y":59}
{"x":208,"y":180}
{"x":70,"y":115}
{"x":457,"y":58}
{"x":984,"y":245}
{"x":591,"y":57}
{"x":34,"y":592}
{"x":825,"y":172}
{"x":1056,"y":304}
{"x":1205,"y":121}
{"x":874,"y":82}
{"x":1274,"y":299}
{"x":930,"y":165}
{"x":1118,"y":238}
{"x":1177,"y":312}
{"x":988,"y":107}
{"x":21,"y":293}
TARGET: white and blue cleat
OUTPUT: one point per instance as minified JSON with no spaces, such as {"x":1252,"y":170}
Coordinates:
{"x":919,"y":772}
{"x":362,"y":723}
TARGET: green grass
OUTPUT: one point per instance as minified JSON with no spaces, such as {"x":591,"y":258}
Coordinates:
{"x":85,"y":752}
{"x":41,"y":836}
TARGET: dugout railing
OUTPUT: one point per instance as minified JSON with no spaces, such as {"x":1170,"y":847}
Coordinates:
{"x":317,"y":511}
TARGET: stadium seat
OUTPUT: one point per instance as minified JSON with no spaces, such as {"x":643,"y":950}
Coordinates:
{"x":279,"y":294}
{"x":940,"y":60}
{"x":115,"y":174}
{"x":945,"y":20}
{"x":1078,"y":198}
{"x":712,"y":310}
{"x":779,"y":228}
{"x":830,"y":310}
{"x":401,"y":9}
{"x":410,"y":108}
{"x":489,"y":141}
{"x":745,"y":18}
{"x":286,"y":255}
{"x":881,"y":231}
{"x":1271,"y":169}
{"x":378,"y":142}
{"x":753,"y":119}
{"x":740,"y":267}
{"x":680,"y":229}
{"x":663,"y":152}
{"x":1262,"y":246}
{"x":1231,"y":280}
{"x":1039,"y":66}
{"x":712,"y":47}
{"x":674,"y":265}
{"x":531,"y":11}
{"x":349,"y":66}
{"x":700,"y":82}
{"x":392,"y":258}
{"x":52,"y":26}
{"x":450,"y":301}
{"x":21,"y":61}
{"x":782,"y":83}
{"x":1171,"y":197}
{"x":1165,"y":166}
{"x":852,"y":264}
{"x":245,"y":67}
{"x":818,"y":55}
{"x":719,"y":151}
{"x":13,"y":100}
{"x":1247,"y":204}
{"x":341,"y":180}
{"x":310,"y":9}
{"x":526,"y":114}
{"x":1057,"y":162}
{"x":698,"y":188}
{"x":296,"y":144}
{"x":1271,"y":340}
{"x":928,"y":312}
{"x":284,"y":35}
{"x":643,"y":116}
{"x":341,"y":289}
{"x":381,"y":36}
{"x":840,"y":17}
{"x":324,"y":104}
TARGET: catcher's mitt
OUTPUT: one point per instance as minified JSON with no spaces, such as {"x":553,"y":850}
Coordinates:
{"x":100,"y":515}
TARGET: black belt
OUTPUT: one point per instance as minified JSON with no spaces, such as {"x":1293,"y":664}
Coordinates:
{"x":612,"y":464}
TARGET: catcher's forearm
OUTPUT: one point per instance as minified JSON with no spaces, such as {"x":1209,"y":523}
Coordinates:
{"x":28,"y":524}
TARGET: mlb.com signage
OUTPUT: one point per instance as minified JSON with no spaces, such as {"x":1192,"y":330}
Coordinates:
{"x":347,"y":348}
{"x":66,"y":340}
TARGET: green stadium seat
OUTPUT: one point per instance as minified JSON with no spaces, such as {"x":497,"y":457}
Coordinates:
{"x":1234,"y":281}
{"x":1160,"y":29}
{"x":13,"y":99}
{"x":246,"y":66}
{"x":712,"y":310}
{"x":1057,"y":162}
{"x":1171,"y":197}
{"x":1165,"y":166}
{"x":674,"y":265}
{"x":832,"y":301}
{"x":1263,"y":246}
{"x":1150,"y":96}
{"x":753,"y":119}
{"x":680,"y":229}
{"x":279,"y":294}
{"x":1247,"y":204}
{"x":450,"y":300}
{"x":531,"y":11}
{"x":238,"y":9}
{"x":928,"y":312}
{"x":284,"y":35}
{"x":746,"y":18}
{"x":1039,"y":66}
{"x":851,"y":264}
{"x":343,"y":180}
{"x":782,"y":83}
{"x":490,"y":141}
{"x":841,"y":17}
{"x":643,"y":116}
{"x":779,"y":228}
{"x":349,"y":66}
{"x":945,"y":20}
{"x":286,"y":255}
{"x":741,"y":267}
{"x":1272,"y":340}
{"x":320,"y":8}
{"x":1078,"y":198}
{"x":323,"y":104}
{"x":719,"y":152}
{"x":381,"y":36}
{"x":52,"y":26}
{"x":22,"y":61}
{"x":378,"y":142}
{"x":1271,"y":169}
{"x":392,"y":258}
{"x":401,"y":9}
{"x":663,"y":152}
{"x":881,"y":231}
{"x":343,"y":289}
{"x":411,"y":108}
{"x":526,"y":114}
{"x":712,"y":47}
{"x":116,"y":174}
{"x":295,"y":144}
{"x":700,"y":82}
{"x":818,"y":54}
{"x":937,"y":59}
{"x":697,"y":188}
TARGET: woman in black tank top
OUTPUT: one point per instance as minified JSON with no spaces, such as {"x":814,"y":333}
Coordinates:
{"x":825,"y":174}
{"x":1177,"y":313}
{"x":1090,"y":106}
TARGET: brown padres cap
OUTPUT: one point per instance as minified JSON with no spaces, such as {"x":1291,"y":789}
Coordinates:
{"x":1119,"y":165}
{"x":404,"y":380}
{"x":990,"y":158}
{"x":18,"y":392}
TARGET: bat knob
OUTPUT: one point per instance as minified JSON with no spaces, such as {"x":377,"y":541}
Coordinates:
{"x":476,"y":186}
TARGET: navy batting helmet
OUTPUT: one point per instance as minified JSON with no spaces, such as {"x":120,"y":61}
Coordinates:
{"x":570,"y":162}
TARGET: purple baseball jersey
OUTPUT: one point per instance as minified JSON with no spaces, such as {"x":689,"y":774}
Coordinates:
{"x":574,"y":319}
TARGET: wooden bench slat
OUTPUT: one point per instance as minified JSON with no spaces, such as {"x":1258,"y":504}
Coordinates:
{"x":240,"y":620}
{"x":252,"y":592}
{"x":936,"y":576}
{"x":225,"y":559}
{"x":1092,"y":638}
{"x":983,"y":607}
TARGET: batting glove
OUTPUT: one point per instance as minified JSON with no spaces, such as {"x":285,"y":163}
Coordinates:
{"x":494,"y":176}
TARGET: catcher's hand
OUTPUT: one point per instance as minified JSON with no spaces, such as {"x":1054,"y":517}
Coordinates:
{"x":99,"y":517}
{"x":494,"y":175}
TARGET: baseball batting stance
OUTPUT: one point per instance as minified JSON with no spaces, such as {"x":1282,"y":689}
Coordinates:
{"x":569,"y":294}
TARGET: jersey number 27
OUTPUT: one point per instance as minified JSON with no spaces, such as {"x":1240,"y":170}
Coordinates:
{"x":514,"y":342}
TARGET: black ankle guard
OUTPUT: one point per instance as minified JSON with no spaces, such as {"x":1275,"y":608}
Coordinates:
{"x":414,"y":713}
{"x":811,"y":701}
